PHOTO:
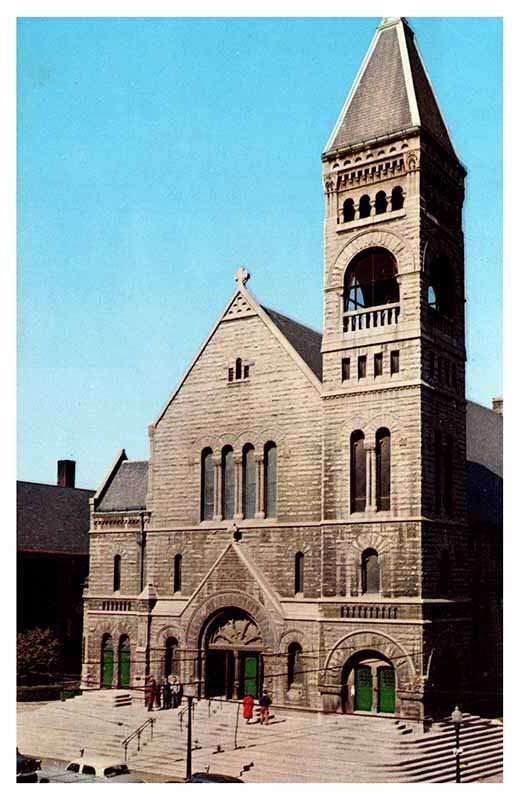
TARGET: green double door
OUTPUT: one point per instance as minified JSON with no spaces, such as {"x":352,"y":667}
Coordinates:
{"x":124,"y":665}
{"x":107,"y":666}
{"x":364,"y":696}
{"x":363,"y":681}
{"x":250,"y":667}
{"x":386,"y":685}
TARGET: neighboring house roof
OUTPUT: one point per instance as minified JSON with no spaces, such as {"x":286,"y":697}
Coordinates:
{"x":305,"y":340}
{"x":484,"y":433}
{"x":52,"y":519}
{"x":392,"y":93}
{"x":127,"y":488}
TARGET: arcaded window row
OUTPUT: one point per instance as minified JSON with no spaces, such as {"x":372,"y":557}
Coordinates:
{"x":381,"y":204}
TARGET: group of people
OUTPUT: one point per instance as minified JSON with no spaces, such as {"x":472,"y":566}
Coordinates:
{"x":248,"y":705}
{"x":163,"y":694}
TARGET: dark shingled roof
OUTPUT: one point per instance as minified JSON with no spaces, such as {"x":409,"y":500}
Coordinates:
{"x":306,"y":341}
{"x":381,"y":104}
{"x":52,"y":519}
{"x":128,"y":488}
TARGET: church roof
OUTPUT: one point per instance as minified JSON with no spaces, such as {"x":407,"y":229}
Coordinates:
{"x":127,"y":488}
{"x":52,"y":519}
{"x":305,"y":340}
{"x":392,"y":93}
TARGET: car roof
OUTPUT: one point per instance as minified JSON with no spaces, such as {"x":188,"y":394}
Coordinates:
{"x":97,"y":761}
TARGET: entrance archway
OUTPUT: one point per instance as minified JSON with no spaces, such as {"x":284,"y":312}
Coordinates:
{"x":107,"y":662}
{"x":368,"y":682}
{"x":233,"y":649}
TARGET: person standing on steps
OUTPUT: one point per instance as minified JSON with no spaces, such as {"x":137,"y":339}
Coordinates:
{"x":166,"y":694}
{"x":176,"y":692}
{"x":248,"y":704}
{"x":265,"y":701}
{"x":149,"y":692}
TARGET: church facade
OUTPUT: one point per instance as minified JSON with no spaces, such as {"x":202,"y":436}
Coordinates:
{"x":301,"y":523}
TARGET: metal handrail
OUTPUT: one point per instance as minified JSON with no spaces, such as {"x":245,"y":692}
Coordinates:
{"x":138,"y":731}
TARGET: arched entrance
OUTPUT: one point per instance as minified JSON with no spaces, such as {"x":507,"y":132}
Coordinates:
{"x":233,"y":648}
{"x":124,"y":663}
{"x":368,"y":682}
{"x":107,"y":661}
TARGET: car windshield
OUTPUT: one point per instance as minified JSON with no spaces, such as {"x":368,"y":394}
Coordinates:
{"x":73,"y":768}
{"x":117,"y":769}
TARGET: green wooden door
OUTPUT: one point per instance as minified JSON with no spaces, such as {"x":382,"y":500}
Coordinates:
{"x":251,"y":675}
{"x":107,"y":667}
{"x":124,"y":664}
{"x":363,"y":677}
{"x":386,"y":683}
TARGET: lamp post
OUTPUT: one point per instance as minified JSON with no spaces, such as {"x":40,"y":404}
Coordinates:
{"x":456,"y":718}
{"x":189,"y":697}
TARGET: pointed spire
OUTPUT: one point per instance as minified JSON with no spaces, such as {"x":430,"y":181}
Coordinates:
{"x":391,"y":93}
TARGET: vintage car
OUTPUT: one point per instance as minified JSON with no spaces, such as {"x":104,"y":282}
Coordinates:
{"x":92,"y":770}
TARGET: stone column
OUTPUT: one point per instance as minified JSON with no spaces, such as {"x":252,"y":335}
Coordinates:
{"x":260,"y":491}
{"x":239,"y":489}
{"x":356,"y":211}
{"x":217,"y":489}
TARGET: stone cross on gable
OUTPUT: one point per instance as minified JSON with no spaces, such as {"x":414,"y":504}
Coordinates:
{"x":242,"y":276}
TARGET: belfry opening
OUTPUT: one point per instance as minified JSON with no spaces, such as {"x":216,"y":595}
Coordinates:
{"x":232,"y":655}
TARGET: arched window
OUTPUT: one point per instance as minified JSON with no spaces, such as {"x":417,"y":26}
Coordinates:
{"x":370,"y":573}
{"x":170,"y":650}
{"x":383,"y":469}
{"x":298,"y":573}
{"x":177,"y":573}
{"x":228,"y":483}
{"x":381,"y":203}
{"x":444,"y":573}
{"x":397,"y":198}
{"x":364,"y":206}
{"x":117,"y":573}
{"x":358,"y":472}
{"x":349,"y":211}
{"x":207,"y":485}
{"x":370,"y":280}
{"x":294,"y":665}
{"x":238,"y":369}
{"x":249,"y":481}
{"x":270,"y":479}
{"x":441,"y":289}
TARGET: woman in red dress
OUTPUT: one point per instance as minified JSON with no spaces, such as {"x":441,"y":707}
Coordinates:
{"x":248,"y":703}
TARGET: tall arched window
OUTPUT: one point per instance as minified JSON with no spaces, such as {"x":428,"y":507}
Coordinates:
{"x":177,"y":573}
{"x":348,"y":210}
{"x":381,"y":203}
{"x":444,"y":573}
{"x":364,"y":206}
{"x":370,"y":573}
{"x":207,"y":485}
{"x":170,"y":648}
{"x":358,"y":472}
{"x":441,"y":289}
{"x":238,"y":369}
{"x":298,"y":573}
{"x":270,"y":479}
{"x":228,"y":483}
{"x":370,"y":280}
{"x":117,"y":573}
{"x":294,"y":665}
{"x":397,"y":198}
{"x":249,"y":481}
{"x":383,"y":473}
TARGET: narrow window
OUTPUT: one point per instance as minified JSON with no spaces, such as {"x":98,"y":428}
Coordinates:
{"x":444,"y":573}
{"x":238,"y":369}
{"x":378,"y":364}
{"x":249,"y":481}
{"x":370,"y":573}
{"x":246,"y":370}
{"x":381,"y":203}
{"x":298,"y":573}
{"x":383,"y":474}
{"x":345,"y":369}
{"x":394,"y":362}
{"x":177,"y":573}
{"x":228,"y":483}
{"x":170,"y":647}
{"x":207,"y":485}
{"x":432,"y":299}
{"x":358,"y":472}
{"x":294,"y":669}
{"x":448,"y":475}
{"x":117,"y":573}
{"x":362,"y":367}
{"x":270,"y":479}
{"x":397,"y":199}
{"x":230,"y":374}
{"x":348,"y":210}
{"x":438,"y":472}
{"x":364,"y":206}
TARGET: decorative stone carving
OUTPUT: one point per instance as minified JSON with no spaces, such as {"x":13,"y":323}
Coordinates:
{"x":236,"y":633}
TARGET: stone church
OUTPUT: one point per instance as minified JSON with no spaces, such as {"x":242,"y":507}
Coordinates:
{"x":302,"y":521}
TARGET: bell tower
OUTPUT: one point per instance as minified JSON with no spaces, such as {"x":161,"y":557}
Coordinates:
{"x":394,"y":344}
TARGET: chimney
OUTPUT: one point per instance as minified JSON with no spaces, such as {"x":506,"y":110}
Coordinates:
{"x":498,"y":403}
{"x":67,"y":474}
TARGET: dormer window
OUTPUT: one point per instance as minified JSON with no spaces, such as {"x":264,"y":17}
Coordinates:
{"x":239,"y":371}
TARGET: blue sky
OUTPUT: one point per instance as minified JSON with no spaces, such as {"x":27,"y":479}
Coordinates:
{"x":157,"y":155}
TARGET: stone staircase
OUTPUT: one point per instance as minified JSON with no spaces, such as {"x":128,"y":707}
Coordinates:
{"x":296,"y":747}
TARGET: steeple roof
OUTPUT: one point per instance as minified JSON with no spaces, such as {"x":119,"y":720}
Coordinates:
{"x":392,"y":93}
